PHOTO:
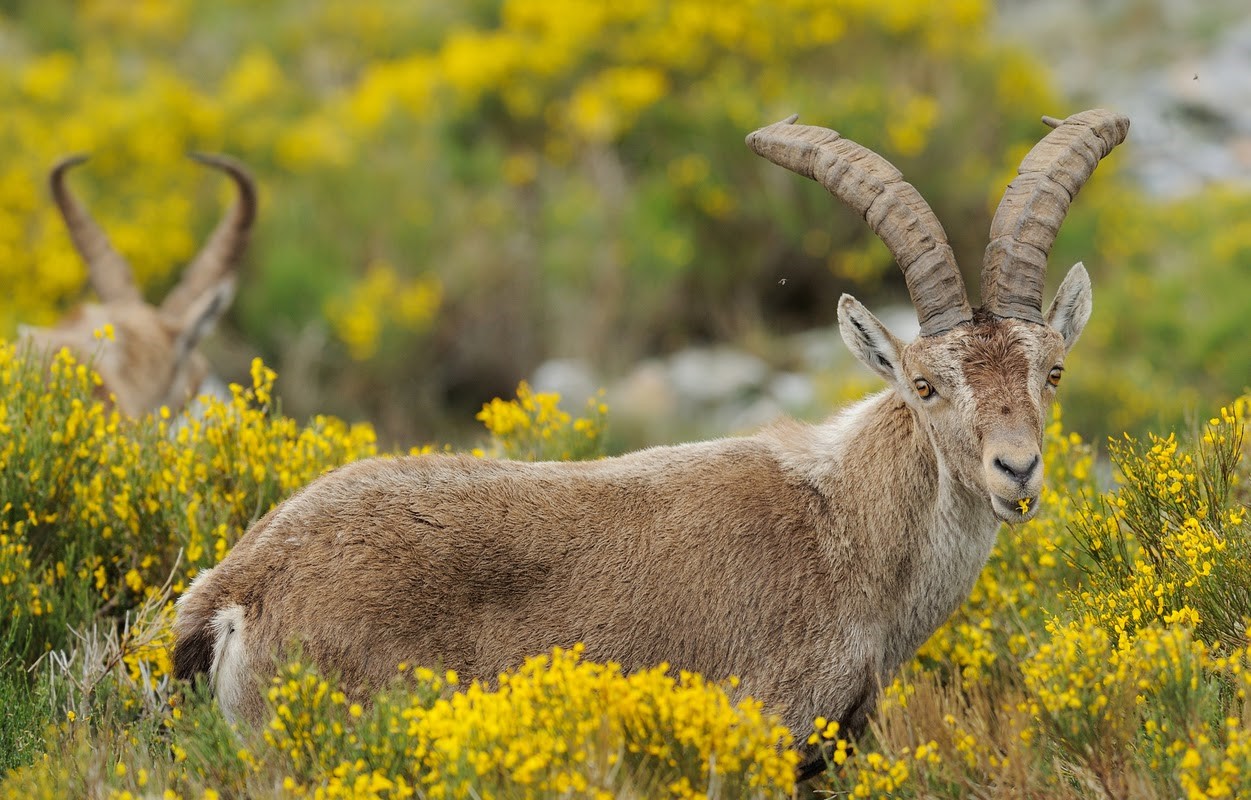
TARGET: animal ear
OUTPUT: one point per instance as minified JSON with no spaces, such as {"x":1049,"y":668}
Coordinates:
{"x":1070,"y":310}
{"x":868,"y":339}
{"x":198,"y":318}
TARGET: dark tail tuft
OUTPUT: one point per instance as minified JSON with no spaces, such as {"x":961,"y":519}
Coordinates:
{"x":193,"y":653}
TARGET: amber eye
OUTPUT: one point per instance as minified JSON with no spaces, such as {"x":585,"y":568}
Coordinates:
{"x":1053,"y":377}
{"x":924,"y":388}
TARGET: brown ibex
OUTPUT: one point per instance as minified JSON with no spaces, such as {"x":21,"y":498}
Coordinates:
{"x":152,"y":360}
{"x":809,"y":560}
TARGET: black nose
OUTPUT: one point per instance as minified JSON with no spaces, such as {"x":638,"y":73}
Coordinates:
{"x":1019,"y":472}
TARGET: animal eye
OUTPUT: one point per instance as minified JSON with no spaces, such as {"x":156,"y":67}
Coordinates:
{"x":924,"y":389}
{"x":1053,"y":377}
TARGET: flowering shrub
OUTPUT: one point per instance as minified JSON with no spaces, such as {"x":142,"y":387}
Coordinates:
{"x":555,"y":726}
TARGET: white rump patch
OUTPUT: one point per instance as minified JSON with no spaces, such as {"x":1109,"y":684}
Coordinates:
{"x":228,"y":671}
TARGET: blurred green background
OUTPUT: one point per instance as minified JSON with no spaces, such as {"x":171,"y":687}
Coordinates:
{"x":454,"y":193}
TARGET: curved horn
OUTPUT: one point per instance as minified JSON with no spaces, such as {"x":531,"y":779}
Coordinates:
{"x":895,"y":211}
{"x":221,"y":252}
{"x":1034,"y":206}
{"x":110,"y":275}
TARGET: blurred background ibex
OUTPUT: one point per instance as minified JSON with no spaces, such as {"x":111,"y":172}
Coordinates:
{"x":146,"y":354}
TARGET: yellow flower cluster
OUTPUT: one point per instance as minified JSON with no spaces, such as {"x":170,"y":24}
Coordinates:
{"x":1153,"y":693}
{"x":1161,"y":542}
{"x":308,"y":721}
{"x":564,"y":724}
{"x":1068,"y":678}
{"x":534,"y":427}
{"x":539,"y":62}
{"x":382,"y":296}
{"x":875,"y":775}
{"x":556,"y":726}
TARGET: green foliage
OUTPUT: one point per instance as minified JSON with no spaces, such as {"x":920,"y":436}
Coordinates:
{"x":1168,"y":330}
{"x":24,"y":713}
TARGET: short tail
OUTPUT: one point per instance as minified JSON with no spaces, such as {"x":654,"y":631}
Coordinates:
{"x":209,"y":642}
{"x":193,"y":650}
{"x":193,"y":630}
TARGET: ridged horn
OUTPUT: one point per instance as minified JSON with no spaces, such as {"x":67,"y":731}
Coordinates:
{"x":1035,"y":204}
{"x":894,"y":209}
{"x":109,"y":273}
{"x":224,"y":247}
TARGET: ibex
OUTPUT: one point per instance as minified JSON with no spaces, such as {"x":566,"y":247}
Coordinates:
{"x":811,"y":561}
{"x":152,"y":360}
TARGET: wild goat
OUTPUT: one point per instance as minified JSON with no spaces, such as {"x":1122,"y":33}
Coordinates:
{"x":152,"y":360}
{"x":809,"y":560}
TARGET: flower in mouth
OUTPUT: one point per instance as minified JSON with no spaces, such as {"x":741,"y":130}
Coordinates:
{"x":1023,"y":504}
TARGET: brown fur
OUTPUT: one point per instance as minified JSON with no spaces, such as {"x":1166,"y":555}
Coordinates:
{"x":536,"y":563}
